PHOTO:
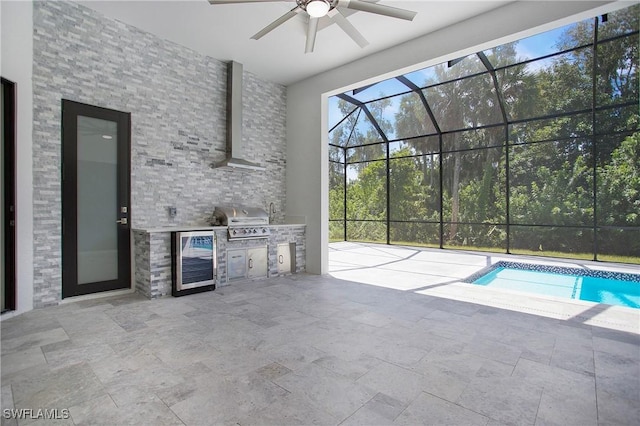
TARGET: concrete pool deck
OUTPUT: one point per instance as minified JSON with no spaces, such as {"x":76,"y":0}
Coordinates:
{"x":440,"y":273}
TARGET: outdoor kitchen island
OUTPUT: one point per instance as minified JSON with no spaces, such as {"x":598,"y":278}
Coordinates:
{"x":153,"y":257}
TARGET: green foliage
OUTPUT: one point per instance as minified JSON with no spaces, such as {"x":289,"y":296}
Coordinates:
{"x":619,"y":198}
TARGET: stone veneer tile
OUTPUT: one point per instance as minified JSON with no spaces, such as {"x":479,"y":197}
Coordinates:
{"x":142,"y":251}
{"x":177,"y":101}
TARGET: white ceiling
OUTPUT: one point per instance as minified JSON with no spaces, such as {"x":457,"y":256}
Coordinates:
{"x":224,"y":31}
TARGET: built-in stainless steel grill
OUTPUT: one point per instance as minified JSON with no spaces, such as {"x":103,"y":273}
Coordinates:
{"x":242,"y":222}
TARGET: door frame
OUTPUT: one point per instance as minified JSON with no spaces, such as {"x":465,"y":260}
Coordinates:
{"x":70,"y":111}
{"x":9,"y":183}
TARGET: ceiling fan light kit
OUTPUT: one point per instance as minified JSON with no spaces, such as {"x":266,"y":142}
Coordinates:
{"x":329,"y":9}
{"x":317,"y":8}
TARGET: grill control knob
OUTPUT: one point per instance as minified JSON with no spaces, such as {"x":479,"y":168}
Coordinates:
{"x":234,"y":232}
{"x":264,"y":230}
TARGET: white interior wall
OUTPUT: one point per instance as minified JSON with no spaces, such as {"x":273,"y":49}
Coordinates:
{"x":307,"y":139}
{"x":16,"y":59}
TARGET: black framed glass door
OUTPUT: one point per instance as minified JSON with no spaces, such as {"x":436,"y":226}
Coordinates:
{"x":95,"y":199}
{"x":8,"y":197}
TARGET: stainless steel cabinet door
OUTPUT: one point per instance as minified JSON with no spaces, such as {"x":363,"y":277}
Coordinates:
{"x":236,"y":264}
{"x":284,"y":258}
{"x":257,"y":262}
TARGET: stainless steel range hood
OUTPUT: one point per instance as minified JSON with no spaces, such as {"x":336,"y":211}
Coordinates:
{"x":235,"y":146}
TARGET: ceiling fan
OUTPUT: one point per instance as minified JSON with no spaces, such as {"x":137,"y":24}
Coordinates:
{"x":333,"y":10}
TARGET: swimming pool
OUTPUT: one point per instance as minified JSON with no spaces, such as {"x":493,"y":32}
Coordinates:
{"x":612,"y":288}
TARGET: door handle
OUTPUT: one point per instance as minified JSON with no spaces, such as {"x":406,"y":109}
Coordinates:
{"x":122,"y":221}
{"x":281,"y":259}
{"x":250,"y":263}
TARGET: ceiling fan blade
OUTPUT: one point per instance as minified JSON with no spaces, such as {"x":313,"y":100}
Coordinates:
{"x":312,"y":30}
{"x":379,"y":9}
{"x":242,"y":1}
{"x":281,"y":20}
{"x":348,"y":27}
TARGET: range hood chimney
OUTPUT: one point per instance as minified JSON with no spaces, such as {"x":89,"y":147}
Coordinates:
{"x":235,"y":147}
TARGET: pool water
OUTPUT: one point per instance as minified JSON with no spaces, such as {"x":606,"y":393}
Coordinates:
{"x":612,"y":288}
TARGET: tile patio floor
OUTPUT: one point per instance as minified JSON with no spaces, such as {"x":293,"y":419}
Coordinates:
{"x":389,"y":337}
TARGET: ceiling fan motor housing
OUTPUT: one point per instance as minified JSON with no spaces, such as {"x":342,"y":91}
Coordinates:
{"x":316,"y":8}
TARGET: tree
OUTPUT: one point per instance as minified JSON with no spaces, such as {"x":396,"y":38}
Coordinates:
{"x":619,"y":198}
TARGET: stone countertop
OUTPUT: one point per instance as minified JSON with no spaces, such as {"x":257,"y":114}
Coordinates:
{"x":204,"y":228}
{"x":179,"y":228}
